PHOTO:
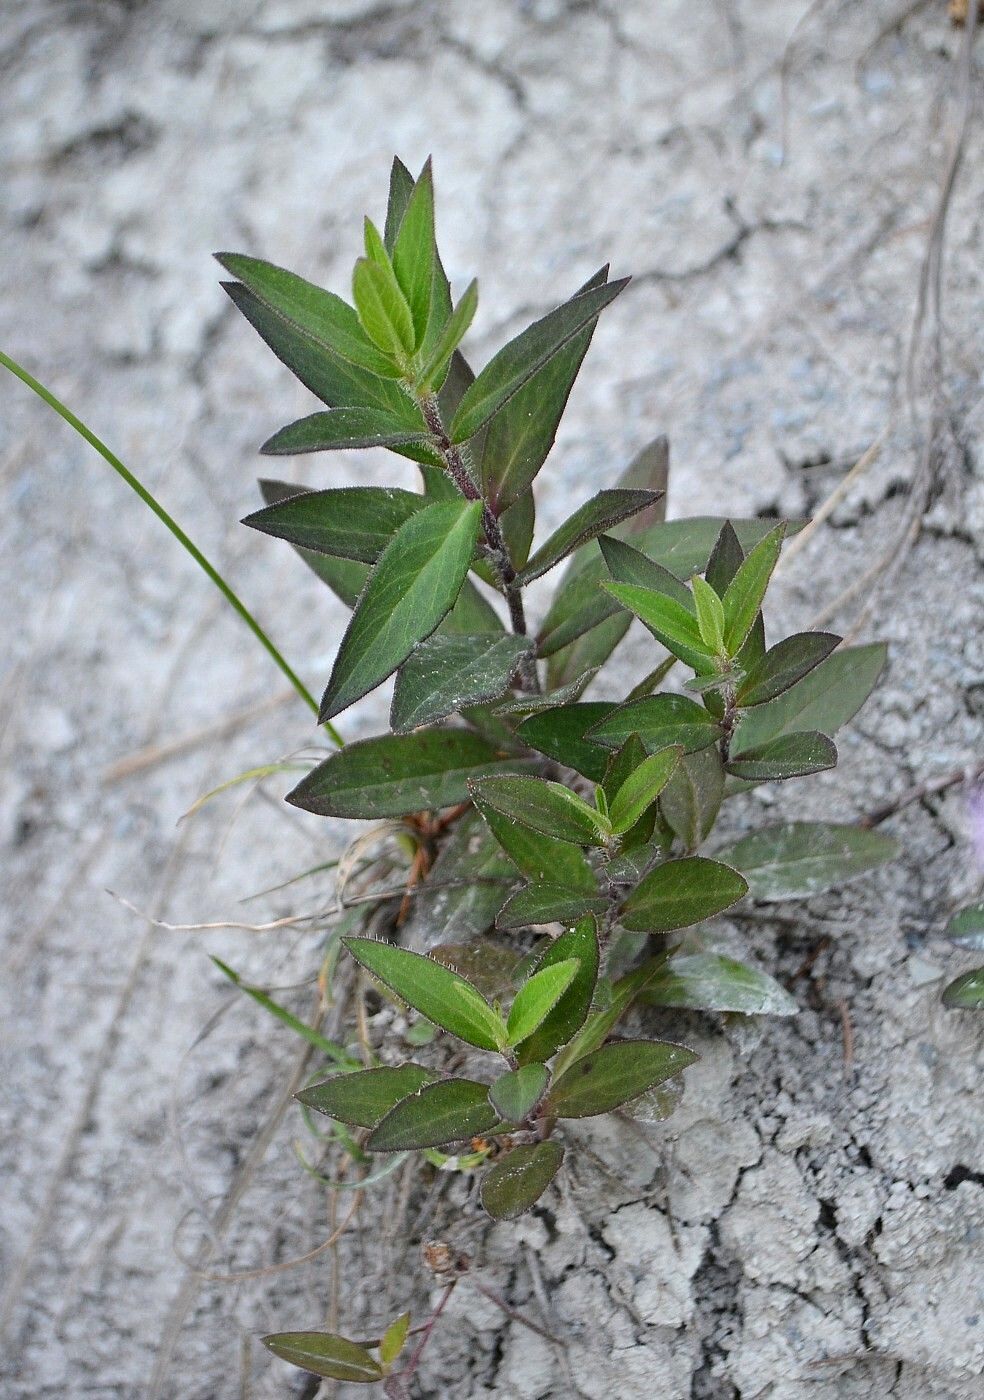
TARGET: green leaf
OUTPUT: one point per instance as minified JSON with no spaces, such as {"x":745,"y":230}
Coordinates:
{"x":626,"y":564}
{"x":649,"y":470}
{"x":827,"y":698}
{"x":471,"y":614}
{"x":560,"y":734}
{"x":518,"y":523}
{"x":309,"y":1033}
{"x":445,"y":998}
{"x":599,"y":1024}
{"x":669,"y":621}
{"x":622,"y":764}
{"x":446,"y":673}
{"x":537,"y":997}
{"x":589,"y":651}
{"x":464,"y":888}
{"x":571,"y":1010}
{"x":353,"y":522}
{"x":796,"y":860}
{"x":543,"y":902}
{"x":332,"y":378}
{"x":710,"y":614}
{"x":685,"y":546}
{"x":343,"y":429}
{"x":543,"y":806}
{"x":382,"y":308}
{"x":320,"y":315}
{"x":400,"y":189}
{"x":449,"y":339}
{"x":680,"y":546}
{"x":680,"y":893}
{"x":785,"y":664}
{"x":537,"y":856}
{"x":726,"y":559}
{"x":394,"y":1339}
{"x":414,"y":585}
{"x":630,"y":566}
{"x":345,"y":577}
{"x":415,"y":253}
{"x":642,"y":787}
{"x":366,"y":1096}
{"x":709,"y":982}
{"x":521,"y":434}
{"x":514,"y":1185}
{"x":659,"y":721}
{"x":966,"y":992}
{"x":517,"y":1093}
{"x":607,"y":1078}
{"x":966,"y":927}
{"x":376,"y":250}
{"x":325,"y":1354}
{"x":743,"y":596}
{"x":691,"y":799}
{"x":603,"y":511}
{"x":450,"y":1110}
{"x":518,"y":361}
{"x":791,"y":756}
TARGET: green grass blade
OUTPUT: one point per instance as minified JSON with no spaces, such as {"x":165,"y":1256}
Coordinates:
{"x":135,"y":485}
{"x":337,"y":1053}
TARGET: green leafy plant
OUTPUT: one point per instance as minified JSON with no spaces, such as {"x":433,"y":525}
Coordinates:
{"x":965,"y":929}
{"x":558,"y":846}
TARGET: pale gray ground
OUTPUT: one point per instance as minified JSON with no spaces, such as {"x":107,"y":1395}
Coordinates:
{"x":803,"y":1230}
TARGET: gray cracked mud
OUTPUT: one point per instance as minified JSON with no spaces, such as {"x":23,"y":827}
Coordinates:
{"x":807,"y":1225}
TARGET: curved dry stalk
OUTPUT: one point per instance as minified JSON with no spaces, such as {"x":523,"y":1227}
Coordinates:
{"x":823,"y":512}
{"x":153,"y":754}
{"x":354,"y":852}
{"x":244,"y":1275}
{"x":288,"y":921}
{"x":929,"y":313}
{"x":226,"y":1213}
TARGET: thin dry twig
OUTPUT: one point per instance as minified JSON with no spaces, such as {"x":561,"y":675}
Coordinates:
{"x":152,"y":754}
{"x":22,"y":1268}
{"x":847,"y":1031}
{"x":928,"y":314}
{"x":288,"y":921}
{"x":225,"y":1214}
{"x":891,"y":26}
{"x":208,"y":1276}
{"x":785,"y":69}
{"x":799,"y":541}
{"x":969,"y":773}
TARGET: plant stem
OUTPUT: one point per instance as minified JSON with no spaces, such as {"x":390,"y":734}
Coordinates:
{"x":135,"y":485}
{"x":499,"y":555}
{"x":407,"y":1374}
{"x":729,"y":722}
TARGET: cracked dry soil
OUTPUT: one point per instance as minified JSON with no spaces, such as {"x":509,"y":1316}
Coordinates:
{"x":808,"y":1225}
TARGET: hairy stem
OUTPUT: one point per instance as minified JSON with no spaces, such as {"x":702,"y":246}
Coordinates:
{"x":498,"y":554}
{"x":729,"y":722}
